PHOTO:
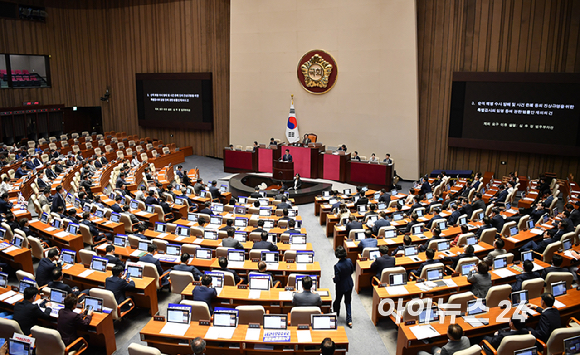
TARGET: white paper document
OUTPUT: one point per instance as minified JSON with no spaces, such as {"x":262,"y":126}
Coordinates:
{"x":161,"y":235}
{"x":174,"y":329}
{"x":351,"y":244}
{"x":61,"y":234}
{"x":285,"y":296}
{"x":424,"y":331}
{"x":536,"y":231}
{"x":559,"y":304}
{"x":473,"y":321}
{"x":7,"y":295}
{"x":449,"y":283}
{"x":86,"y":273}
{"x":503,"y":273}
{"x":301,"y":267}
{"x":141,"y":213}
{"x":537,"y":267}
{"x":236,"y":264}
{"x":477,"y":247}
{"x":513,"y":240}
{"x":253,"y":334}
{"x":254,"y":294}
{"x":9,"y":249}
{"x":180,"y":238}
{"x":220,"y":332}
{"x":304,"y":336}
{"x":197,"y":241}
{"x":397,"y":290}
{"x":49,"y":229}
{"x":271,"y":266}
{"x":568,"y":253}
{"x":389,"y":241}
{"x":14,"y":299}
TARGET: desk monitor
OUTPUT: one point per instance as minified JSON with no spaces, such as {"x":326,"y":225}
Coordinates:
{"x":150,"y":209}
{"x":500,"y":262}
{"x":268,"y":223}
{"x":270,"y":256}
{"x":297,"y":238}
{"x":182,"y":231}
{"x":398,"y":279}
{"x":434,"y":274}
{"x":236,"y":255}
{"x":240,"y":236}
{"x":112,"y":196}
{"x":360,"y":235}
{"x":243,"y":199}
{"x":429,"y":315}
{"x":292,"y":213}
{"x":305,"y":256}
{"x":134,"y":205}
{"x":120,"y":240}
{"x":344,"y":221}
{"x":566,"y":244}
{"x":545,"y":218}
{"x":364,"y":189}
{"x":398,"y":216}
{"x":376,"y":196}
{"x":99,"y":213}
{"x":177,"y":313}
{"x":419,"y":212}
{"x":17,"y":240}
{"x":462,"y":220}
{"x":472,"y":240}
{"x":443,"y":245}
{"x":465,"y":268}
{"x":192,"y":217}
{"x":143,"y":244}
{"x":24,"y":283}
{"x":160,"y":227}
{"x":527,"y":255}
{"x":56,"y":223}
{"x":17,"y":347}
{"x":275,"y":321}
{"x":99,"y":264}
{"x":513,"y":231}
{"x":480,"y":216}
{"x":475,"y":307}
{"x":346,"y":191}
{"x":410,"y":250}
{"x":202,"y":193}
{"x":323,"y":321}
{"x":259,"y":281}
{"x":519,"y":297}
{"x":442,"y":225}
{"x":417,"y":230}
{"x":68,"y":256}
{"x":241,"y":222}
{"x":558,"y":288}
{"x":134,"y":270}
{"x":263,"y":201}
{"x":325,"y":193}
{"x":223,"y":189}
{"x":86,"y":208}
{"x":95,"y":303}
{"x":225,"y":318}
{"x":527,"y":351}
{"x":2,"y":233}
{"x":3,"y":279}
{"x":239,"y":209}
{"x":428,"y":195}
{"x":203,"y":253}
{"x":57,"y":295}
{"x":572,"y":345}
{"x":173,"y":249}
{"x":115,"y":217}
{"x":273,"y":238}
{"x":382,"y":206}
{"x":217,"y":278}
{"x":299,"y":282}
{"x":72,"y":228}
{"x":76,"y":203}
{"x":189,"y":191}
{"x":373,"y":254}
{"x":210,"y":234}
{"x":217,"y":207}
{"x":390,"y":233}
{"x":44,"y":217}
{"x":361,"y":208}
{"x":265,"y":211}
{"x":530,"y":224}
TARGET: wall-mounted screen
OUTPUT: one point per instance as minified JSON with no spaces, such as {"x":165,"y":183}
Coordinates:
{"x":175,"y":100}
{"x":521,"y":112}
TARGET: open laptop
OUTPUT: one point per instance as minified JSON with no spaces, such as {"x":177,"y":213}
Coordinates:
{"x":160,"y":227}
{"x":17,"y":240}
{"x":323,"y":321}
{"x":268,"y":224}
{"x":95,"y":303}
{"x":265,"y":212}
{"x":210,"y":234}
{"x":566,"y":244}
{"x":418,"y":229}
{"x":462,"y":220}
{"x":572,"y":345}
{"x":236,"y":258}
{"x":305,"y":257}
{"x":398,"y":279}
{"x":72,"y":228}
{"x":173,"y":249}
{"x":559,"y":288}
{"x":182,"y":231}
{"x":120,"y":240}
{"x":241,"y":222}
{"x":3,"y":280}
{"x":264,"y":201}
{"x":99,"y":264}
{"x":390,"y":233}
{"x":270,"y":256}
{"x":17,"y":347}
{"x":134,"y":205}
{"x":443,"y":246}
{"x":215,"y":222}
{"x":513,"y":230}
{"x":240,"y":209}
{"x":25,"y":283}
{"x":217,"y":208}
{"x":361,"y":208}
{"x":178,"y":313}
{"x":475,"y":307}
{"x":56,"y":303}
{"x":134,"y":270}
{"x":297,"y":239}
{"x":192,"y":217}
{"x":68,"y":256}
{"x":225,"y":318}
{"x":519,"y":297}
{"x":259,"y":281}
{"x":240,"y":236}
{"x":434,"y":274}
{"x":115,"y":217}
{"x":499,"y":263}
{"x":429,"y":315}
{"x":203,"y":253}
{"x":527,"y":351}
{"x":465,"y":268}
{"x":411,"y":251}
{"x":442,"y":225}
{"x":275,"y":321}
{"x":150,"y":209}
{"x":373,"y":254}
{"x":217,"y":278}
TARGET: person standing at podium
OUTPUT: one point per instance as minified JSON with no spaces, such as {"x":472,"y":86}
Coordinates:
{"x":287,"y":157}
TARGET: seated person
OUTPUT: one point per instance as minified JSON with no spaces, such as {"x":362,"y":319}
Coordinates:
{"x":498,"y":250}
{"x":151,"y":259}
{"x":368,"y":242}
{"x":464,"y":230}
{"x":230,"y":224}
{"x":517,"y":327}
{"x":69,"y":321}
{"x":547,"y":240}
{"x":27,"y":313}
{"x":230,"y":242}
{"x":207,"y":209}
{"x":457,"y":342}
{"x":430,"y":254}
{"x":352,"y":224}
{"x":205,"y":292}
{"x":436,"y":216}
{"x":382,"y":262}
{"x":556,"y":266}
{"x":401,"y":248}
{"x":118,"y":284}
{"x":263,"y":269}
{"x":549,"y":318}
{"x":480,"y":280}
{"x":414,"y":220}
{"x":528,"y":274}
{"x":436,"y":236}
{"x":381,"y":222}
{"x":291,"y":227}
{"x":223,"y":262}
{"x":486,"y":225}
{"x":467,"y":253}
{"x":264,"y":243}
{"x":306,"y":297}
{"x":187,"y":268}
{"x":110,"y":255}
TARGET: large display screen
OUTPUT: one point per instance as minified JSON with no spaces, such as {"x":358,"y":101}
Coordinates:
{"x":175,"y":100}
{"x":522,"y":112}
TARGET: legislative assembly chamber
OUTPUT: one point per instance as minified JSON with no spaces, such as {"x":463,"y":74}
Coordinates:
{"x":287,"y":176}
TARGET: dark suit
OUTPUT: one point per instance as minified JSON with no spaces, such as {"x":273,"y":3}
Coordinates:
{"x":20,"y":173}
{"x":255,"y":195}
{"x":495,"y":340}
{"x":425,"y":263}
{"x":5,"y":206}
{"x":204,"y":294}
{"x":381,"y":263}
{"x":467,"y":210}
{"x":306,"y":298}
{"x":230,"y":242}
{"x":114,"y":260}
{"x":57,"y":200}
{"x":482,"y":228}
{"x":425,"y":188}
{"x":455,"y":260}
{"x":415,"y":206}
{"x":283,"y":205}
{"x":188,"y":268}
{"x":148,"y":258}
{"x":433,"y":219}
{"x":68,"y":323}
{"x":215,"y":192}
{"x":502,"y":196}
{"x":497,"y":222}
{"x":517,"y":286}
{"x":44,"y":271}
{"x":386,"y":198}
{"x":165,"y":206}
{"x":575,"y":217}
{"x":265,"y":245}
{"x":287,"y":157}
{"x":343,"y":270}
{"x":550,"y":269}
{"x":41,"y":184}
{"x":116,"y":208}
{"x":206,"y":211}
{"x":118,"y":286}
{"x":454,"y":217}
{"x":27,"y":315}
{"x":236,"y":276}
{"x":353,"y":225}
{"x":549,"y":320}
{"x":380,"y":223}
{"x":98,"y":164}
{"x":150,"y":200}
{"x":60,"y":285}
{"x":478,"y":205}
{"x":548,"y":201}
{"x":50,"y":173}
{"x":363,"y":200}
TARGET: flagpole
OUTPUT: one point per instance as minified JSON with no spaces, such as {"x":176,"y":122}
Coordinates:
{"x":292,"y":98}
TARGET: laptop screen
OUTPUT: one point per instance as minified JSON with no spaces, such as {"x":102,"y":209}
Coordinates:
{"x":120,"y":240}
{"x":398,"y":216}
{"x":419,"y":212}
{"x":68,"y":256}
{"x":241,"y":222}
{"x":202,"y":253}
{"x":443,"y":245}
{"x":429,"y":195}
{"x":361,"y":208}
{"x":559,"y":288}
{"x":382,"y":206}
{"x":236,"y":255}
{"x":259,"y":282}
{"x":410,"y":250}
{"x":530,"y":224}
{"x":17,"y":347}
{"x":462,"y":220}
{"x":346,"y":191}
{"x":215,"y":220}
{"x":134,"y":205}
{"x":398,"y":279}
{"x":268,"y":224}
{"x":217,"y":207}
{"x":17,"y":240}
{"x":143,"y":244}
{"x":472,"y":240}
{"x":3,"y":280}
{"x":527,"y":255}
{"x":94,"y":302}
{"x":305,"y":257}
{"x":192,"y":217}
{"x":519,"y":297}
{"x":44,"y":218}
{"x":434,"y":274}
{"x":56,"y":223}
{"x":567,"y":244}
{"x":57,"y":295}
{"x":465,"y":268}
{"x":99,"y":213}
{"x":360,"y":235}
{"x":297,"y":239}
{"x":225,"y":319}
{"x":73,"y":228}
{"x":99,"y":264}
{"x":475,"y":307}
{"x":292,"y":213}
{"x":210,"y":234}
{"x":217,"y":278}
{"x":417,"y":229}
{"x":323,"y":321}
{"x":263,"y":201}
{"x":572,"y":345}
{"x":134,"y":270}
{"x":243,"y":199}
{"x":115,"y":217}
{"x":270,"y":256}
{"x":265,"y":211}
{"x":179,"y":315}
{"x":390,"y":233}
{"x":240,"y":209}
{"x":24,"y":284}
{"x":499,"y":263}
{"x":182,"y":231}
{"x":514,"y":230}
{"x":527,"y":351}
{"x":160,"y":227}
{"x":373,"y":254}
{"x":150,"y":209}
{"x":275,"y":321}
{"x":442,"y":225}
{"x":173,"y":249}
{"x":429,"y":315}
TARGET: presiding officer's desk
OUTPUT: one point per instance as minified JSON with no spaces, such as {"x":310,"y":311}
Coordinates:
{"x":175,"y":344}
{"x":453,"y":285}
{"x":275,"y":300}
{"x":364,"y":274}
{"x":100,"y":331}
{"x":408,"y":344}
{"x":18,"y":258}
{"x":144,"y":294}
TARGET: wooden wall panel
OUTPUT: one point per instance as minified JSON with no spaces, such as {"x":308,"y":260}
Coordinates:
{"x":97,"y":45}
{"x":489,"y":35}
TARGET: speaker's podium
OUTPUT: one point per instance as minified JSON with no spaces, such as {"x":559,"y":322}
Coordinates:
{"x":283,"y":170}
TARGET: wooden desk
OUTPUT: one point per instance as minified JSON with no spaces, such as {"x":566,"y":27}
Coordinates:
{"x":238,"y":161}
{"x":335,"y":166}
{"x":272,"y":300}
{"x":70,"y":241}
{"x":172,"y":344}
{"x":144,"y":295}
{"x":375,"y":175}
{"x":100,"y":331}
{"x":19,"y":259}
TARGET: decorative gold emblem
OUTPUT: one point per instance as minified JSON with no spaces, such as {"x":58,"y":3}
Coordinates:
{"x":316,"y":72}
